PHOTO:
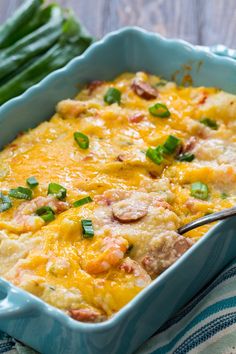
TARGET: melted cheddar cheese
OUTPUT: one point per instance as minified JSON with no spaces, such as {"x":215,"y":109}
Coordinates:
{"x":137,"y":205}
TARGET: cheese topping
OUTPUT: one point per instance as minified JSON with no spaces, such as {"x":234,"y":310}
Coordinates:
{"x":91,"y":200}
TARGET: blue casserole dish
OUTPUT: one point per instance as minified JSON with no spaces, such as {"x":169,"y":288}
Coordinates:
{"x":48,"y":329}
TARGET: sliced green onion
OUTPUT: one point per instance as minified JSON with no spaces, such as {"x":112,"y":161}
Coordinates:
{"x":32,"y":182}
{"x":159,"y":110}
{"x":112,"y":95}
{"x":21,"y":193}
{"x":57,"y":190}
{"x":161,"y":83}
{"x":156,"y":155}
{"x":211,"y":123}
{"x":171,"y":144}
{"x":5,"y":202}
{"x":224,"y":195}
{"x":199,"y":190}
{"x":46,"y":213}
{"x":188,"y":156}
{"x":82,"y":140}
{"x":82,"y":201}
{"x":169,"y":147}
{"x":87,"y":228}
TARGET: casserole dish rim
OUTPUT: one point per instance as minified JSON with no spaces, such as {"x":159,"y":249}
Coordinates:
{"x":36,"y":302}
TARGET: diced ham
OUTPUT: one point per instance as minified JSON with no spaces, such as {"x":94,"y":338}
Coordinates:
{"x":136,"y":117}
{"x":189,"y":145}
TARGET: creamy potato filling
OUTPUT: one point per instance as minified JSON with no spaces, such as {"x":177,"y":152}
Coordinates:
{"x":90,"y":201}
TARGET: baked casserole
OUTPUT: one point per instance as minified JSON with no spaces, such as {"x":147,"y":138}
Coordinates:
{"x":91,"y":200}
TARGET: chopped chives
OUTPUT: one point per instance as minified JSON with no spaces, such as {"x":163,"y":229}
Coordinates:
{"x":156,"y":155}
{"x":224,"y":195}
{"x":159,"y":110}
{"x":46,"y":213}
{"x":82,"y":201}
{"x":112,"y":95}
{"x":87,"y":228}
{"x":32,"y":182}
{"x":57,"y":190}
{"x":188,"y":156}
{"x":5,"y":202}
{"x":171,"y":144}
{"x":21,"y":193}
{"x":211,"y":123}
{"x":199,"y":190}
{"x":82,"y":140}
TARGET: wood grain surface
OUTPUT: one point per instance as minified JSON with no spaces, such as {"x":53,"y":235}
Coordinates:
{"x":204,"y":22}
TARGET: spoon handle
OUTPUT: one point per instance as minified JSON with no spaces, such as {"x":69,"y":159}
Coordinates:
{"x":220,"y":215}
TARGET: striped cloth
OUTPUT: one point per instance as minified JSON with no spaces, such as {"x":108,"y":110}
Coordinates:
{"x":206,"y":325}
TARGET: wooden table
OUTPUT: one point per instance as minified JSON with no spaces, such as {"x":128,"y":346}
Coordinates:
{"x":204,"y":22}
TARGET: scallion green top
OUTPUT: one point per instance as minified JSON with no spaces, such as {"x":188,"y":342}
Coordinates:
{"x":82,"y":201}
{"x":87,"y":228}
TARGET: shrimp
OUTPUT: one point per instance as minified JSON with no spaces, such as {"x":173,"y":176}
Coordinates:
{"x":160,"y":202}
{"x":130,"y":266}
{"x":28,"y":221}
{"x":111,"y":253}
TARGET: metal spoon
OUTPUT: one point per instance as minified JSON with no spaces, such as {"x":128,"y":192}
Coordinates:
{"x":220,"y":215}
